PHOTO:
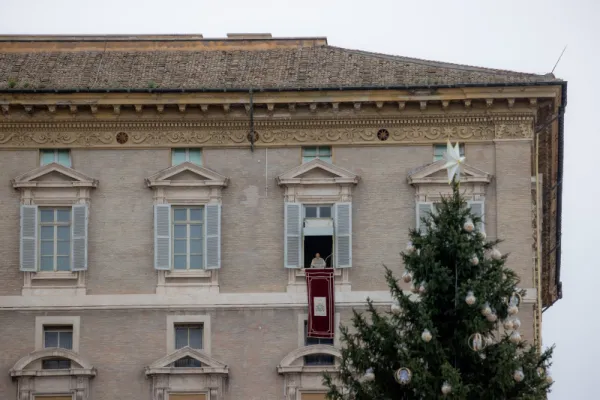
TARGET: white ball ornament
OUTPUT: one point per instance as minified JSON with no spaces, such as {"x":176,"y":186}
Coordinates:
{"x":496,"y":255}
{"x":422,"y":288}
{"x":512,"y":310}
{"x":516,"y":323}
{"x":407,"y":276}
{"x":515,"y":337}
{"x":518,"y":375}
{"x":426,"y":336}
{"x":486,"y":309}
{"x":483,"y":235}
{"x":508,"y":324}
{"x":469,"y":226}
{"x":410,"y":248}
{"x":474,"y":260}
{"x":446,"y":388}
{"x":395,"y":308}
{"x":492,"y":317}
{"x":369,"y":375}
{"x":470,"y":299}
{"x":549,"y":378}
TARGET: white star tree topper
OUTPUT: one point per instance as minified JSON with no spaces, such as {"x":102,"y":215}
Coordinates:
{"x":454,"y":162}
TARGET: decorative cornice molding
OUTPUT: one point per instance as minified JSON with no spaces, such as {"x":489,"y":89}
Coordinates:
{"x":28,"y":179}
{"x":287,"y":364}
{"x":206,"y":177}
{"x":340,"y":176}
{"x":234,"y":132}
{"x":210,"y":365}
{"x":85,"y":369}
{"x":425,"y":174}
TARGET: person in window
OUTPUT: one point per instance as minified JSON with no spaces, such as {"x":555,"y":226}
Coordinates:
{"x":317,"y":262}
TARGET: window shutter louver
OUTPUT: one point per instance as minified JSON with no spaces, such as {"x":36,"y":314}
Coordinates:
{"x":213,"y":236}
{"x":478,"y":209}
{"x":29,"y":228}
{"x":162,"y":236}
{"x":79,"y":227}
{"x":424,"y":210}
{"x":293,"y":235}
{"x":343,"y":235}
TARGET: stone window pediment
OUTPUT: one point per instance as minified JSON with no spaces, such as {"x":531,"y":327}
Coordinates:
{"x":32,"y":379}
{"x":301,"y":378}
{"x":210,"y":377}
{"x":187,"y":174}
{"x":189,"y":184}
{"x":54,"y":186}
{"x":317,"y":172}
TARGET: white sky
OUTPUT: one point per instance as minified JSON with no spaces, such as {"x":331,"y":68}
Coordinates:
{"x":521,"y":35}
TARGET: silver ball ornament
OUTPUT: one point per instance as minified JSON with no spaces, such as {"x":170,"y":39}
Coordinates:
{"x":422,"y":288}
{"x":486,"y":309}
{"x":407,"y":276}
{"x":469,"y":226}
{"x":395,"y":308}
{"x":496,"y":255}
{"x":474,"y":260}
{"x":516,"y":323}
{"x":369,"y":375}
{"x":512,"y":310}
{"x":426,"y":336}
{"x":508,"y":324}
{"x":446,"y":388}
{"x":492,"y":317}
{"x":518,"y":375}
{"x":470,"y":299}
{"x":515,"y":337}
{"x":410,"y":248}
{"x":483,"y":235}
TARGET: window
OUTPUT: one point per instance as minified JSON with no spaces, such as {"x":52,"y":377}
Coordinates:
{"x":187,"y":396}
{"x":179,"y":156}
{"x":440,"y":149}
{"x":188,"y":233}
{"x":188,"y":335}
{"x":311,"y":211}
{"x":58,"y":336}
{"x":55,"y":239}
{"x":62,"y":157}
{"x":321,"y":152}
{"x":317,"y":359}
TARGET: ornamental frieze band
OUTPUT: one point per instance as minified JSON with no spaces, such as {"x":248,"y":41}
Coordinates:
{"x":268,"y":133}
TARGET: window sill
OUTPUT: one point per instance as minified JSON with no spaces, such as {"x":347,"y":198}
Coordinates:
{"x":336,"y":271}
{"x":61,"y":275}
{"x":200,"y":273}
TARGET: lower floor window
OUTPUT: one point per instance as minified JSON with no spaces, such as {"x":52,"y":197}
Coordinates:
{"x":187,"y":396}
{"x":317,"y":359}
{"x":57,"y":363}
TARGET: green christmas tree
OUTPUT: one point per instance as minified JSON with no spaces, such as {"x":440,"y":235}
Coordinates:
{"x":457,"y":336}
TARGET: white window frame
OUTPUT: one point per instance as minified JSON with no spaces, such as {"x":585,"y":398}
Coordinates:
{"x":318,"y":206}
{"x":188,"y":326}
{"x":188,"y":223}
{"x":48,"y":321}
{"x":55,"y":224}
{"x":203,"y":319}
{"x":187,"y":155}
{"x":55,"y":328}
{"x":55,"y":151}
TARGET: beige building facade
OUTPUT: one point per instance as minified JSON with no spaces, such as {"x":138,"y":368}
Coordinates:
{"x":161,"y":196}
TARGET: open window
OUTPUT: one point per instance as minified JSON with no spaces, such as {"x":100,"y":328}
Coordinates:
{"x":317,"y":219}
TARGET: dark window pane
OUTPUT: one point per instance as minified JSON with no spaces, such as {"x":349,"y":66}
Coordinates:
{"x":325,"y":212}
{"x":311,"y":212}
{"x":187,"y":362}
{"x":181,"y":338}
{"x":50,"y":339}
{"x":66,"y":340}
{"x":56,"y":364}
{"x":196,"y":338}
{"x":319,"y":359}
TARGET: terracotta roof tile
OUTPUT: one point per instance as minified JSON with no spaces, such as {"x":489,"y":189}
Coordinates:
{"x":278,"y":68}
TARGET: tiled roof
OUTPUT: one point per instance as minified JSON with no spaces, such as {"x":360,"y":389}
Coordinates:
{"x":283,"y":67}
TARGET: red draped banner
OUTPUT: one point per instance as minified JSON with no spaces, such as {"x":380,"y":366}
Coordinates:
{"x":320,"y":286}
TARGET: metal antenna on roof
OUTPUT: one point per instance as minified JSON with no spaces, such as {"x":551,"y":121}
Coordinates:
{"x":559,"y":57}
{"x":252,"y":134}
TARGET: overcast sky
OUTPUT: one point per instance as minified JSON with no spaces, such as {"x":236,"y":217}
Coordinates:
{"x":521,"y":35}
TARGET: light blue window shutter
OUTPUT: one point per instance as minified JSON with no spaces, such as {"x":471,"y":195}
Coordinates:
{"x":162,"y":236}
{"x":343,"y":235}
{"x":213,"y":236}
{"x":29,"y":228}
{"x":293,"y":235}
{"x":478,"y":209}
{"x":424,"y":210}
{"x":79,"y":237}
